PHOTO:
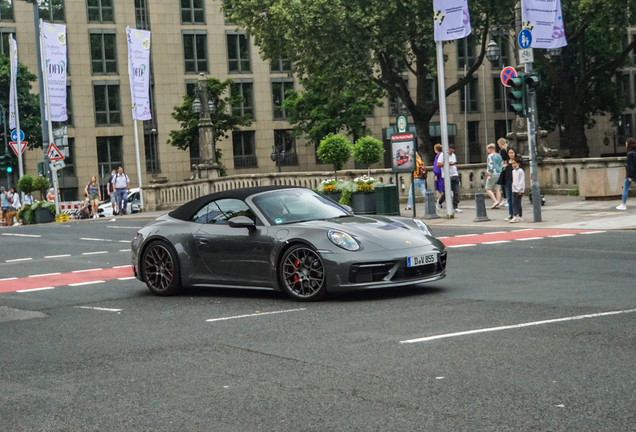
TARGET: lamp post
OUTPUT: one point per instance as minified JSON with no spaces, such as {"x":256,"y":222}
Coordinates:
{"x":278,"y":155}
{"x":204,"y":106}
{"x":493,"y":54}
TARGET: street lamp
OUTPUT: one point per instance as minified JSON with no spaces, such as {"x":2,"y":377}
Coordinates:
{"x":493,"y":52}
{"x":278,"y":155}
{"x":554,"y":52}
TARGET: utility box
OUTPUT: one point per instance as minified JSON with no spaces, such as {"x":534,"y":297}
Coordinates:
{"x":387,"y":200}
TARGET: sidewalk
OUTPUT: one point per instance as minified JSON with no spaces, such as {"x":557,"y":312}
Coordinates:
{"x":563,"y":212}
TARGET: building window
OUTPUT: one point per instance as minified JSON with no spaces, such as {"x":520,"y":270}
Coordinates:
{"x":192,"y":12}
{"x":500,"y":128}
{"x":52,"y":10}
{"x":396,"y":106}
{"x":466,"y":52}
{"x":474,"y":148}
{"x":473,"y":105}
{"x":4,"y":34}
{"x":238,"y":53}
{"x":279,"y":89}
{"x":497,"y":94}
{"x":244,"y":151}
{"x":195,"y":51}
{"x":625,"y":87}
{"x":245,"y":106}
{"x":279,"y":66}
{"x":624,"y":127}
{"x":103,"y":52}
{"x":152,"y":152}
{"x":69,"y":159}
{"x":227,"y":10}
{"x":109,"y":156}
{"x":191,"y":86}
{"x":285,"y":139}
{"x":107,"y":104}
{"x":6,"y":10}
{"x":100,"y":11}
{"x":141,"y":15}
{"x":432,"y":92}
{"x":69,"y":110}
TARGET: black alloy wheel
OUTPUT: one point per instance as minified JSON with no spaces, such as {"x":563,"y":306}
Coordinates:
{"x":161,"y":269}
{"x":302,"y":274}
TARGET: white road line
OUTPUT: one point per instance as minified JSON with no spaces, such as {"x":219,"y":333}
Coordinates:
{"x":525,"y":229}
{"x":125,"y":241}
{"x":99,"y":308}
{"x":127,"y":278}
{"x":515,"y":326}
{"x":440,"y":238}
{"x":562,"y":235}
{"x":87,"y":270}
{"x":35,"y":289}
{"x":122,"y":227}
{"x":94,"y":253}
{"x":530,"y":238}
{"x":23,"y":235}
{"x":86,"y":283}
{"x":124,"y":250}
{"x":19,"y":259}
{"x":497,"y":232}
{"x":466,"y":235}
{"x":94,"y":239}
{"x":6,"y":279}
{"x":593,"y":232}
{"x":45,"y":274}
{"x":58,"y":256}
{"x":256,"y":314}
{"x":465,"y":245}
{"x":497,"y":242}
{"x":124,"y":266}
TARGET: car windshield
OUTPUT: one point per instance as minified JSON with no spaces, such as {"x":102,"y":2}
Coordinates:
{"x":296,"y":205}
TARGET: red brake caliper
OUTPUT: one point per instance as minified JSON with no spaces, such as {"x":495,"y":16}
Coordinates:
{"x":296,"y":264}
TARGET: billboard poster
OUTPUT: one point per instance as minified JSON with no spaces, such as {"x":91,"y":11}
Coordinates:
{"x":403,"y":153}
{"x":55,"y":54}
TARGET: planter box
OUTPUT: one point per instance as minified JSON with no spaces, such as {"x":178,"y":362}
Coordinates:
{"x":334,"y":196}
{"x":43,"y":215}
{"x":363,"y":203}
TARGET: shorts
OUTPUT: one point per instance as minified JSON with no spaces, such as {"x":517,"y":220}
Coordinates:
{"x":93,"y":197}
{"x":491,"y":183}
{"x":113,"y":198}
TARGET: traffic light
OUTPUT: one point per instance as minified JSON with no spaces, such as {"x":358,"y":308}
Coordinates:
{"x":532,"y":82}
{"x":517,"y":96}
{"x":5,"y":163}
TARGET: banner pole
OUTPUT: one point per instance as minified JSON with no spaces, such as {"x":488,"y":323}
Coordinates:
{"x":14,"y":83}
{"x":444,"y":128}
{"x":141,"y":194}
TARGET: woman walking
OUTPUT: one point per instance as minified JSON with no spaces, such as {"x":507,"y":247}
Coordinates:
{"x":506,"y":174}
{"x":503,"y":152}
{"x":439,"y":181}
{"x":631,"y":171}
{"x":94,"y":195}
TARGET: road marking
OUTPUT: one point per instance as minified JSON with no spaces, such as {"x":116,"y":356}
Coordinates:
{"x":86,"y":283}
{"x":459,"y":246}
{"x":8,"y":279}
{"x":99,"y":308}
{"x":256,"y":314}
{"x":124,"y":250}
{"x":440,"y":238}
{"x":23,"y":235}
{"x":94,"y":239}
{"x":124,"y":266}
{"x":592,"y":232}
{"x":45,"y":274}
{"x":125,"y":241}
{"x":496,"y":232}
{"x":509,"y":235}
{"x":58,"y":256}
{"x":127,"y":278}
{"x":466,"y":235}
{"x":64,"y":279}
{"x":497,"y":242}
{"x":35,"y":289}
{"x":94,"y":253}
{"x":515,"y":326}
{"x":82,"y":271}
{"x":530,"y":238}
{"x":19,"y":259}
{"x":122,"y":227}
{"x":521,"y":230}
{"x":562,"y":235}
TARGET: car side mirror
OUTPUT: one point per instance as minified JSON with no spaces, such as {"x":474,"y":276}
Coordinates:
{"x":242,"y":222}
{"x":347,"y":208}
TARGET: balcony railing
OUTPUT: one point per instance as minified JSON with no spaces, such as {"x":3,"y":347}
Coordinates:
{"x":290,"y":159}
{"x":247,"y":161}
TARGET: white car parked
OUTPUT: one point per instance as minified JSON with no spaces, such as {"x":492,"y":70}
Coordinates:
{"x":134,"y":204}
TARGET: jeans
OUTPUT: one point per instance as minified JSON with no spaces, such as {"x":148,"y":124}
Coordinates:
{"x":516,"y":199}
{"x":508,"y":189}
{"x":626,"y":189}
{"x":454,"y":181}
{"x":122,"y":199}
{"x":419,"y":184}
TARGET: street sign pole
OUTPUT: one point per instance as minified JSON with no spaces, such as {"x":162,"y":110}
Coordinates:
{"x":441,"y":87}
{"x":532,"y":142}
{"x":17,"y":113}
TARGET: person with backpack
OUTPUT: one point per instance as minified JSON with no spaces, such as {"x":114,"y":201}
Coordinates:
{"x":630,"y":171}
{"x":110,"y":189}
{"x":493,"y":168}
{"x":122,"y":185}
{"x":419,"y":177}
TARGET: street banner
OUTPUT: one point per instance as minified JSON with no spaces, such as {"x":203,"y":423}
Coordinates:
{"x":13,"y":52}
{"x":139,"y":72}
{"x":55,"y":54}
{"x":544,"y":20}
{"x":451,"y":20}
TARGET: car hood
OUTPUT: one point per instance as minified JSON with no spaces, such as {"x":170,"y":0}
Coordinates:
{"x":389,"y":233}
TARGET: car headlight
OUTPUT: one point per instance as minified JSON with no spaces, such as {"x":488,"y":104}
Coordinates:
{"x":421,"y":225}
{"x":343,"y":240}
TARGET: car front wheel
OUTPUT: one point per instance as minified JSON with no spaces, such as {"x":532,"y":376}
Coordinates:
{"x":161,"y":269}
{"x":302,"y":274}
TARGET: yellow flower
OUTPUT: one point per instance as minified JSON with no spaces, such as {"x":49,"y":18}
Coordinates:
{"x":330,"y":188}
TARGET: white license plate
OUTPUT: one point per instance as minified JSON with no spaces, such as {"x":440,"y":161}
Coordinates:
{"x":421,"y":260}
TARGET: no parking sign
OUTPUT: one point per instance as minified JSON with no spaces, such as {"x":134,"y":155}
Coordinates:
{"x":508,"y":73}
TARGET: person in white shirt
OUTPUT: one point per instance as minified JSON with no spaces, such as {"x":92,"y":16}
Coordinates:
{"x":121,"y":183}
{"x":518,"y":188}
{"x":28,"y":199}
{"x":454,"y":177}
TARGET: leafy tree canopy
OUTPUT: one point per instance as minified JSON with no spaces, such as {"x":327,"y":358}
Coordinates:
{"x":335,"y":150}
{"x":368,"y":150}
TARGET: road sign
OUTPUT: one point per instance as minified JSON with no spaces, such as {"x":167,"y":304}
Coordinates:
{"x":526,"y":56}
{"x":57,"y":165}
{"x":525,"y":39}
{"x":14,"y":146}
{"x":54,"y":153}
{"x":14,"y":135}
{"x":508,"y":73}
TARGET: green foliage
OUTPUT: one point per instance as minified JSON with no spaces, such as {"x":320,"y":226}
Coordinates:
{"x":335,"y":150}
{"x":50,"y":206}
{"x":222,"y":121}
{"x":574,"y":192}
{"x":28,"y":103}
{"x":368,"y":150}
{"x":345,"y":198}
{"x":26,"y":214}
{"x":25,"y":184}
{"x":41,"y":184}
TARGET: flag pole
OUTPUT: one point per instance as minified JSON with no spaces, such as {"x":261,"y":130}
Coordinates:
{"x":441,"y":86}
{"x":141,"y":194}
{"x":14,"y":66}
{"x":133,"y":100}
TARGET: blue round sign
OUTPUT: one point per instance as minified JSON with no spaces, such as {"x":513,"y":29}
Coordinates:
{"x":14,"y":135}
{"x":525,"y":39}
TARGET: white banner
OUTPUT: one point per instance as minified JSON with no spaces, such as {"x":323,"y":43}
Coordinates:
{"x":451,"y":19}
{"x":139,"y":72}
{"x":13,"y":53}
{"x":544,"y":20}
{"x":55,"y":53}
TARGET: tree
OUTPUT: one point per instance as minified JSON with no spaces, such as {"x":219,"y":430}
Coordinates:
{"x":357,"y":40}
{"x":321,"y":109}
{"x":222,"y":120}
{"x":41,"y":184}
{"x":25,"y":184}
{"x":368,"y":150}
{"x":335,"y":150}
{"x":28,"y":103}
{"x":583,"y":82}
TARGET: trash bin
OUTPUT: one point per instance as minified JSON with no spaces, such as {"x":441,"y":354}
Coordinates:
{"x":387,"y":200}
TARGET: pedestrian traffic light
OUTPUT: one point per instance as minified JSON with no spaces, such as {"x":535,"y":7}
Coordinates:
{"x":517,"y":100}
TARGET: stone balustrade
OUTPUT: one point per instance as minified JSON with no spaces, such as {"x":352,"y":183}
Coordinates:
{"x":556,"y":176}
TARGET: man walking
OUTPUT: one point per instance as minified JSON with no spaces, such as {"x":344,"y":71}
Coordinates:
{"x":110,"y":188}
{"x":454,"y":177}
{"x":121,"y":183}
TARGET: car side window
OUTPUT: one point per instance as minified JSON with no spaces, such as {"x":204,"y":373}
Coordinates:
{"x":226,"y":209}
{"x":201,"y":215}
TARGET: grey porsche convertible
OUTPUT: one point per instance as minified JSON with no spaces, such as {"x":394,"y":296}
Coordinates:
{"x":283,"y":238}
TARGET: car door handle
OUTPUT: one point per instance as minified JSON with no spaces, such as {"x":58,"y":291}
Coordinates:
{"x":202,"y":239}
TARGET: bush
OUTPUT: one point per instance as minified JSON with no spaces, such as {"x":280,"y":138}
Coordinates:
{"x":50,"y":206}
{"x":335,"y":150}
{"x":25,"y":184}
{"x":27,"y":214}
{"x":41,"y":184}
{"x":368,"y":150}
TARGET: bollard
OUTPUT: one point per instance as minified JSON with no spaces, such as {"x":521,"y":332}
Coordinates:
{"x":429,"y":205}
{"x":480,"y":202}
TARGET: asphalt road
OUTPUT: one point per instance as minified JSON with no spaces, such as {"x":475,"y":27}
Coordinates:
{"x":110,"y":356}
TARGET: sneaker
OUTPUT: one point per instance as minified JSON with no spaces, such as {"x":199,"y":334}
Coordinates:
{"x":621,"y":207}
{"x":506,"y":204}
{"x":515,"y":220}
{"x":508,"y":219}
{"x":438,"y":207}
{"x":408,"y":208}
{"x":458,"y":210}
{"x":495,"y":206}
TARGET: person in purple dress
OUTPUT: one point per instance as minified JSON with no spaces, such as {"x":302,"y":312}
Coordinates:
{"x":439,"y":181}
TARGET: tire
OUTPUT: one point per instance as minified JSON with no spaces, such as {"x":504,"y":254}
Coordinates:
{"x":161,"y":269}
{"x":302,"y":274}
